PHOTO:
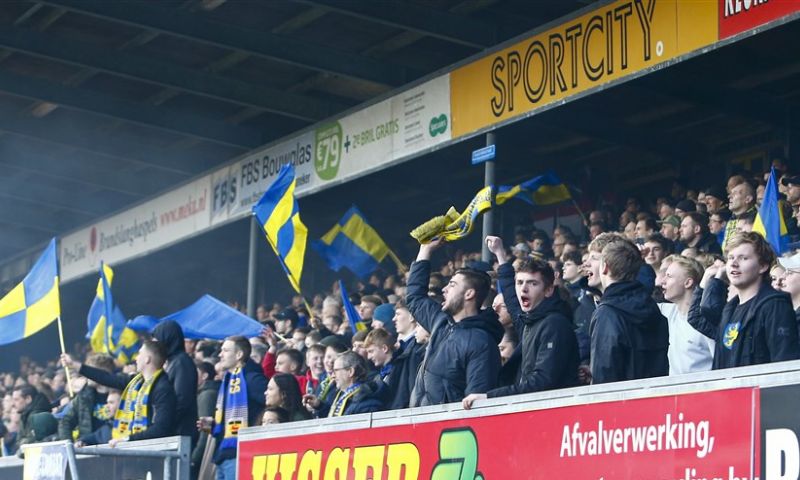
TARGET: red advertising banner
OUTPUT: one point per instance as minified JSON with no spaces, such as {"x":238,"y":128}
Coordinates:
{"x":679,"y":437}
{"x":736,"y":16}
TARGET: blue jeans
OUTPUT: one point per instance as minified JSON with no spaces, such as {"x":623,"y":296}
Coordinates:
{"x":227,"y":470}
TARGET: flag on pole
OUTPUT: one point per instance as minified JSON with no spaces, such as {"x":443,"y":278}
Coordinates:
{"x":107,"y":328}
{"x":279,"y":217}
{"x":769,"y":219}
{"x":353,"y":318}
{"x":34,"y":303}
{"x":545,"y":189}
{"x":353,"y":243}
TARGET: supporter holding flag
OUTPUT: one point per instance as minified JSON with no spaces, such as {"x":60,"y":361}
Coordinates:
{"x":462,"y":355}
{"x":181,"y":371}
{"x":240,"y":401}
{"x":147,"y":405}
{"x":758,"y":324}
{"x":549,"y":346}
{"x":86,"y":413}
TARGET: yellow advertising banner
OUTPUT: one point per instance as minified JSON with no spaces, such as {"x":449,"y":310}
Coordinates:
{"x":612,"y":42}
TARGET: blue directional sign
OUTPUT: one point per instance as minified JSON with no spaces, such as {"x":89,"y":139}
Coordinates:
{"x":483,"y":154}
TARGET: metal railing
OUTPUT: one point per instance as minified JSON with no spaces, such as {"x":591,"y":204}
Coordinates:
{"x":84,"y":462}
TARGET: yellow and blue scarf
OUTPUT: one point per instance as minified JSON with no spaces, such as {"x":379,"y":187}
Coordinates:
{"x":341,"y":399}
{"x":231,"y":407}
{"x":131,"y":416}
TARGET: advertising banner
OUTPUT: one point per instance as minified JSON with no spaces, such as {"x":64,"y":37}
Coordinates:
{"x":142,"y":229}
{"x":780,"y":433}
{"x":614,"y":41}
{"x":340,"y":150}
{"x":678,"y":437}
{"x":45,"y":462}
{"x":736,"y":16}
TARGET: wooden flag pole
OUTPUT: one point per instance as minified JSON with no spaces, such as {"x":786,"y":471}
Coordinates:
{"x":397,"y":261}
{"x":64,"y":351}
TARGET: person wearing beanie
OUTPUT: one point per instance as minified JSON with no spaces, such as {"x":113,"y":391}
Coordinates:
{"x":382,"y":318}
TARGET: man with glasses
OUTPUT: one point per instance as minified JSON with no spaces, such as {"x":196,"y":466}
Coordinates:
{"x":791,"y":282}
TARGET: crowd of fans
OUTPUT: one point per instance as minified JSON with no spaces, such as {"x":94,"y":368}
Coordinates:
{"x":643,"y":294}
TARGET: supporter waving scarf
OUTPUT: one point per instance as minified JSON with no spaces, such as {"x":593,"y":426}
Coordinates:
{"x":342,"y":397}
{"x":131,"y":416}
{"x":232,"y":401}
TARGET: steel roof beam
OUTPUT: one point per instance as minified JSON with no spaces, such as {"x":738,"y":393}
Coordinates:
{"x":120,"y":146}
{"x":107,"y":105}
{"x":279,"y":48}
{"x":143,"y":68}
{"x":409,"y":16}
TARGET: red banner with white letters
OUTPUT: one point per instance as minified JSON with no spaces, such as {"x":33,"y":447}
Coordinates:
{"x":709,"y":435}
{"x":736,"y":16}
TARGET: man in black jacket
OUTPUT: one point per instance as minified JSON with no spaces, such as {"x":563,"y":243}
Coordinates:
{"x":182,"y":372}
{"x":161,"y":400}
{"x":630,"y":337}
{"x":757,"y":325}
{"x":462,"y":355}
{"x":549,"y":346}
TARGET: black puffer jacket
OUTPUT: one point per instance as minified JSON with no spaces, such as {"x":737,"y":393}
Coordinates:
{"x":549,"y":347}
{"x":182,"y":373}
{"x":767,"y":334}
{"x":462,"y":357}
{"x":630,"y":337}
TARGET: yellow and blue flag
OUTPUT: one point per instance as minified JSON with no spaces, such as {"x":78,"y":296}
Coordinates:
{"x":34,"y":303}
{"x":279,"y":216}
{"x":353,"y":318}
{"x":107,"y":327}
{"x":354,"y":244}
{"x":545,"y":189}
{"x":769,"y":219}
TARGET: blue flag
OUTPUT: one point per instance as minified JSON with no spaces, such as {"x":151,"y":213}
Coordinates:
{"x":353,"y":244}
{"x":545,"y":189}
{"x":352,"y":315}
{"x":210,"y":318}
{"x":107,"y":328}
{"x":34,"y":303}
{"x":769,"y":219}
{"x":279,"y":217}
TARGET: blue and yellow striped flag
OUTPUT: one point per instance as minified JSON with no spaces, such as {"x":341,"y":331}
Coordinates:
{"x":769,"y":219}
{"x":279,"y":217}
{"x":542,"y":190}
{"x":354,"y":244}
{"x":34,"y":303}
{"x":107,"y":329}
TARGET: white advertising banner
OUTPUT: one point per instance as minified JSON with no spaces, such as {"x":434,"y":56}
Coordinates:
{"x":153,"y":224}
{"x":341,"y":150}
{"x":332,"y":153}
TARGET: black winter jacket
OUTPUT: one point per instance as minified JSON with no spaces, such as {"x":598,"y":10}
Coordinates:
{"x":462,"y":357}
{"x":549,"y":346}
{"x":183,"y":374}
{"x":630,"y":336}
{"x":767,"y":334}
{"x":401,"y":380}
{"x":160,"y":410}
